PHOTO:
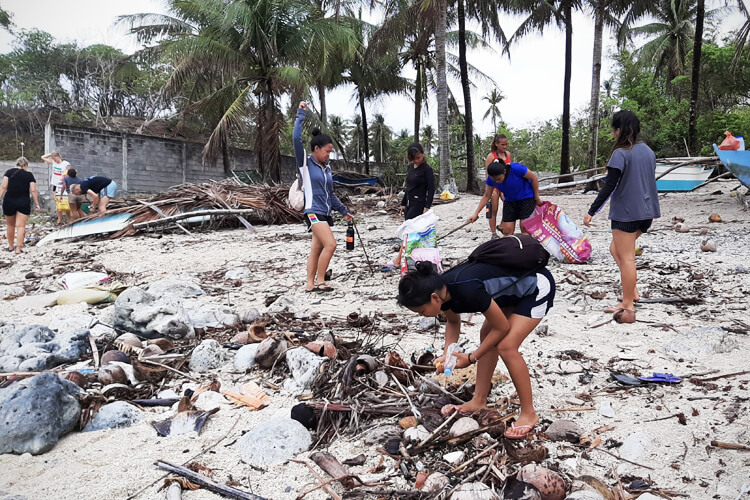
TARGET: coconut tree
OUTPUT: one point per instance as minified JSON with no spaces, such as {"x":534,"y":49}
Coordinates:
{"x":236,"y":58}
{"x":337,"y":129}
{"x":742,"y":34}
{"x":428,"y":139}
{"x":381,"y":137}
{"x":493,"y":99}
{"x":695,"y":77}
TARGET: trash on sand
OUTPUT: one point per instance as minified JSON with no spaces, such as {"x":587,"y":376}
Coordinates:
{"x":248,"y":394}
{"x":666,"y":378}
{"x":447,"y":195}
{"x":100,"y":225}
{"x":72,"y":281}
{"x":625,"y":380}
{"x":183,"y":422}
{"x":558,"y":234}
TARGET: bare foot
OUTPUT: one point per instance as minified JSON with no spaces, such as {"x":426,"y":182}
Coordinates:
{"x":522,"y":426}
{"x":618,"y":307}
{"x":469,"y":407}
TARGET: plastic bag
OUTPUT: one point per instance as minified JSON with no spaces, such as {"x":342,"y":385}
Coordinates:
{"x":420,"y":234}
{"x":730,"y":143}
{"x":447,"y":195}
{"x":72,"y":281}
{"x":558,"y":234}
{"x":296,"y":197}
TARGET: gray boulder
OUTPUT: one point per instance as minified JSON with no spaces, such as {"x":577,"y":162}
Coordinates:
{"x":564,"y":430}
{"x":304,"y":365}
{"x":273,"y":442}
{"x":36,"y":348}
{"x":209,"y":355}
{"x":152,"y":316}
{"x":113,"y":416}
{"x":36,"y":412}
{"x":244,"y":359}
{"x":202,"y":315}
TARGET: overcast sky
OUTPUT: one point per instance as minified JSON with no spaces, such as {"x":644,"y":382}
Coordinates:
{"x":532,"y":80}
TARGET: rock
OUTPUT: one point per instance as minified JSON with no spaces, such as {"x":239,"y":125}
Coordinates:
{"x":381,"y":435}
{"x":71,"y":322}
{"x":605,"y":409}
{"x":114,"y":416}
{"x":244,"y":359}
{"x":304,"y":365}
{"x":570,"y":367}
{"x":435,"y":482}
{"x":463,"y":426}
{"x":283,"y":303}
{"x":700,"y":344}
{"x":179,"y":287}
{"x":273,"y":442}
{"x":36,"y":348}
{"x":416,"y":434}
{"x":549,"y":483}
{"x":428,"y":323}
{"x":633,"y":448}
{"x":237,"y":273}
{"x":210,"y":400}
{"x":564,"y":430}
{"x":708,"y":246}
{"x":249,"y":316}
{"x":372,"y":227}
{"x":454,"y":457}
{"x":202,"y":315}
{"x":650,"y":496}
{"x":152,"y":316}
{"x":380,"y":204}
{"x":209,"y":355}
{"x":35,"y":412}
{"x":269,"y":350}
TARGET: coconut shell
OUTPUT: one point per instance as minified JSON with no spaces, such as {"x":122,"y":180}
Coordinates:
{"x":130,"y":339}
{"x":151,"y":350}
{"x":408,"y":422}
{"x":77,"y":378}
{"x":241,"y":338}
{"x":322,"y":348}
{"x":112,"y":374}
{"x":714,"y":218}
{"x":111,"y":356}
{"x":269,"y":351}
{"x":682,"y":228}
{"x":435,"y":482}
{"x":708,"y":246}
{"x":549,"y":483}
{"x":474,"y":491}
{"x":164,"y":344}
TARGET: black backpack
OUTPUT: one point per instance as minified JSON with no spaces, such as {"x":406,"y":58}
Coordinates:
{"x":519,"y":252}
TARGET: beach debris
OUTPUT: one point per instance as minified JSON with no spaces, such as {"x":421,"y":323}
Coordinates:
{"x":273,"y":442}
{"x":708,"y":246}
{"x":114,"y":355}
{"x":248,"y":394}
{"x":305,"y":415}
{"x":333,"y":468}
{"x":416,"y":434}
{"x":550,"y":484}
{"x":474,"y":491}
{"x":454,"y":457}
{"x":714,"y":218}
{"x":365,"y":364}
{"x":209,"y":355}
{"x":36,"y":412}
{"x":564,"y":430}
{"x":207,"y":482}
{"x":605,"y":409}
{"x":114,"y":415}
{"x":463,"y":426}
{"x":269,"y":351}
{"x":77,"y":378}
{"x":112,"y":374}
{"x":682,"y":228}
{"x":183,"y":422}
{"x":590,"y":485}
{"x":435,"y":482}
{"x":322,"y":348}
{"x":408,"y":422}
{"x":515,"y":489}
{"x":624,"y":316}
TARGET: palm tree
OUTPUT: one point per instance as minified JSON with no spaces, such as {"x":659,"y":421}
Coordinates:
{"x":357,"y":143}
{"x":493,"y":99}
{"x":695,"y":78}
{"x":428,"y":139}
{"x":542,"y":13}
{"x":742,"y":34}
{"x":381,"y":136}
{"x":446,"y":172}
{"x":234,"y":58}
{"x":338,"y":131}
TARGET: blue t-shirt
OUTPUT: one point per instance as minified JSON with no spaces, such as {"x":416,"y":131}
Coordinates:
{"x":515,"y":187}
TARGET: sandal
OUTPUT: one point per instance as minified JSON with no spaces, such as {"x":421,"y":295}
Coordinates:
{"x":388,"y":267}
{"x":521,"y":427}
{"x":322,"y":288}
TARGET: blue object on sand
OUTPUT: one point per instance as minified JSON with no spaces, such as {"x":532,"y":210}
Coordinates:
{"x":666,"y":378}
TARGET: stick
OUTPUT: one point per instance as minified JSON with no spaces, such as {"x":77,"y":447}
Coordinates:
{"x":730,"y":446}
{"x":333,"y":468}
{"x":27,"y":374}
{"x":453,"y":230}
{"x":725,"y":174}
{"x":570,"y":184}
{"x":722,"y":376}
{"x":206,"y":482}
{"x":195,"y":213}
{"x":414,"y":410}
{"x":623,"y":459}
{"x":94,"y":351}
{"x":435,"y":432}
{"x":162,"y":365}
{"x":362,"y":243}
{"x":472,"y":460}
{"x":162,"y":214}
{"x":325,"y":484}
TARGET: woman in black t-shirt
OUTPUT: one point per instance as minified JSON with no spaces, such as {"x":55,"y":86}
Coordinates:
{"x":17,"y":184}
{"x":512,"y":307}
{"x":419,"y":192}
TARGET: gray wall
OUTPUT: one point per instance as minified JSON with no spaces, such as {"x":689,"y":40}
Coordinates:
{"x":144,"y":164}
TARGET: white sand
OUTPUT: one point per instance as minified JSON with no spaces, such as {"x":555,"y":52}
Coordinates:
{"x":118,"y":463}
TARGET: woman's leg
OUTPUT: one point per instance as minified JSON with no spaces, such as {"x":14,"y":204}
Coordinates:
{"x":508,"y":228}
{"x":623,"y":244}
{"x":495,"y":205}
{"x":485,"y":369}
{"x":10,"y":220}
{"x":327,"y":242}
{"x":312,"y":261}
{"x":520,"y":327}
{"x":20,"y":230}
{"x":103,"y":202}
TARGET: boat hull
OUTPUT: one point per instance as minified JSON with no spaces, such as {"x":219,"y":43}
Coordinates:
{"x":737,"y":162}
{"x":683,"y":178}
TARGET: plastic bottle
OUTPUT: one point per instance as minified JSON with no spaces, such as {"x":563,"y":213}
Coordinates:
{"x":450,"y":358}
{"x":488,"y":210}
{"x":742,"y":142}
{"x":350,"y":236}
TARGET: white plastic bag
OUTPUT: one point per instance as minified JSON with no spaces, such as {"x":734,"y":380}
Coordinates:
{"x":81,"y":279}
{"x":296,"y":197}
{"x":418,"y":224}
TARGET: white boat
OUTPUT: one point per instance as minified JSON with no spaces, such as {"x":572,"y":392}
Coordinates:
{"x":682,"y":178}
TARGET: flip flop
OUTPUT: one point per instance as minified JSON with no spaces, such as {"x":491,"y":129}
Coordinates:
{"x":625,"y":380}
{"x":322,"y":288}
{"x":666,"y":378}
{"x":522,"y":436}
{"x":388,"y":268}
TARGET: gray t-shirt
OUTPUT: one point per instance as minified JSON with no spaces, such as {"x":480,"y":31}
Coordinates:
{"x":635,"y":197}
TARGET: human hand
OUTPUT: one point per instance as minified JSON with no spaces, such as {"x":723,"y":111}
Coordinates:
{"x":539,"y":201}
{"x":36,"y":207}
{"x":303,"y":105}
{"x":587,"y":220}
{"x":348,"y":217}
{"x":439,"y":364}
{"x":425,"y":210}
{"x":462,"y":359}
{"x":473,"y":218}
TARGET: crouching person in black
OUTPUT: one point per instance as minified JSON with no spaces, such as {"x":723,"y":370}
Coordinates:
{"x":507,"y":282}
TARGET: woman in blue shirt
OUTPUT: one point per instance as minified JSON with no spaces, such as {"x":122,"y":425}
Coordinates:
{"x":320,"y":200}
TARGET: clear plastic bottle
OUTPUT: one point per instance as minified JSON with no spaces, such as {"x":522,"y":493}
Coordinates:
{"x":450,"y":358}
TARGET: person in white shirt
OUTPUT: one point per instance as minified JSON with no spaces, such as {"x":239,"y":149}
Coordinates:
{"x":59,"y":169}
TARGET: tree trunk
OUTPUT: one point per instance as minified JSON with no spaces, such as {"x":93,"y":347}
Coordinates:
{"x":446,"y":172}
{"x":595,"y":86}
{"x":260,"y":146}
{"x":366,"y":145}
{"x":272,"y":139}
{"x":418,"y":100}
{"x":468,"y":125}
{"x":323,"y":111}
{"x":565,"y":150}
{"x":695,"y":84}
{"x":225,"y":153}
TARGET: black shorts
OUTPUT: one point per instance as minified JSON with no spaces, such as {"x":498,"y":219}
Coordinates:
{"x":518,"y":210}
{"x":311,"y":219}
{"x":414,"y":210}
{"x":632,"y":226}
{"x":13,"y":205}
{"x":539,"y":303}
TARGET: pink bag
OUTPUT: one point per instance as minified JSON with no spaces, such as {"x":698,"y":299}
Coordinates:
{"x":558,"y":235}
